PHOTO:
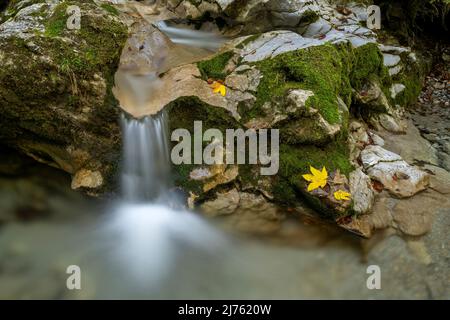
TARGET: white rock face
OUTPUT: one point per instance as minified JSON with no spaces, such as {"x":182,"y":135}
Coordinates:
{"x":296,"y":100}
{"x":391,"y":124}
{"x":24,"y":25}
{"x":395,"y":70}
{"x":390,"y":60}
{"x":274,"y":43}
{"x":376,"y":139}
{"x":393,"y":49}
{"x":396,"y":89}
{"x":397,"y":176}
{"x":361,"y":190}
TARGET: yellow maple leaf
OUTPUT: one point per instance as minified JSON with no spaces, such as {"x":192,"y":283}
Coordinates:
{"x":318,"y":179}
{"x":219,"y":88}
{"x":342,"y":195}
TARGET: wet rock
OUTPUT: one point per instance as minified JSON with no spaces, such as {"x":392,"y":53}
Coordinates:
{"x":56,"y":86}
{"x":393,"y":172}
{"x":390,"y":60}
{"x":413,"y":220}
{"x":371,"y":96}
{"x":396,"y":89}
{"x":361,"y":190}
{"x":214,"y":175}
{"x":225,"y":203}
{"x":439,"y":179}
{"x":87,"y":179}
{"x":410,"y":146}
{"x":391,"y":124}
{"x":359,"y":133}
{"x":254,"y":215}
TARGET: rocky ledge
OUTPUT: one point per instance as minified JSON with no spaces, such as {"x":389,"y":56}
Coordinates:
{"x":311,"y":69}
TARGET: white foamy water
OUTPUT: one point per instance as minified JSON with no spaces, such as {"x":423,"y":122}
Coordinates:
{"x":150,"y":239}
{"x":196,"y":38}
{"x":146,"y":165}
{"x":150,"y":234}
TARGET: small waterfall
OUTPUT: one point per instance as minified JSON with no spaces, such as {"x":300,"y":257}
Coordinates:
{"x":194,"y":38}
{"x":151,"y":229}
{"x":146,"y":164}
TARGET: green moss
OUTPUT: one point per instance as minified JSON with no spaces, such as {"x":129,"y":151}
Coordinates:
{"x":214,"y":68}
{"x":367,"y":64}
{"x":64,"y":79}
{"x":57,"y":22}
{"x":111,"y":9}
{"x":319,"y":69}
{"x":248,"y":40}
{"x":183,"y":112}
{"x":309,"y":17}
{"x":412,"y":81}
{"x":182,"y":179}
{"x":296,"y":160}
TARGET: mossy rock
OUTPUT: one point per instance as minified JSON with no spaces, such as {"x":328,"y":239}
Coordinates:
{"x":331,"y":72}
{"x":56,"y":86}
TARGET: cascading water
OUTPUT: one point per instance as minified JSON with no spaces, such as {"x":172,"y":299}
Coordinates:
{"x":146,"y":165}
{"x":150,"y":231}
{"x":196,"y":38}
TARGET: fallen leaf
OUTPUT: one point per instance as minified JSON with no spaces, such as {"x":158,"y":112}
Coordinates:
{"x":377,"y":185}
{"x":218,"y":88}
{"x":342,"y":195}
{"x":344,"y":10}
{"x":318,"y":179}
{"x":339,"y":178}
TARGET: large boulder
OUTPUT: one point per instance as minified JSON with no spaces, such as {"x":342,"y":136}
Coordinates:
{"x":55,"y":87}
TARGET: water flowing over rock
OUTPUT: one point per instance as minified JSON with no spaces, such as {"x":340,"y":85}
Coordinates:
{"x":311,"y":69}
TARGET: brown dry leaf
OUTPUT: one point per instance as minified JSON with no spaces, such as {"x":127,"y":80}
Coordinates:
{"x":339,"y":178}
{"x":377,"y":186}
{"x":344,"y":10}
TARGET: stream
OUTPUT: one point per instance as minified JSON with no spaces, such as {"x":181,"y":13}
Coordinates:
{"x":144,"y":244}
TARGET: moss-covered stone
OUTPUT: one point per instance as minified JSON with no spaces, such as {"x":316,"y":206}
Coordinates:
{"x":367,"y":65}
{"x":215,"y":67}
{"x":319,"y":69}
{"x":56,"y":87}
{"x":330,"y":72}
{"x":295,"y":161}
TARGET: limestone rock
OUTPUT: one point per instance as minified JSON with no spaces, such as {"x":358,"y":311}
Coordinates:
{"x":87,"y":179}
{"x":391,"y":124}
{"x":393,"y":172}
{"x":396,"y":89}
{"x":361,"y":190}
{"x":413,"y":220}
{"x":225,"y":203}
{"x":56,"y":84}
{"x":254,"y":215}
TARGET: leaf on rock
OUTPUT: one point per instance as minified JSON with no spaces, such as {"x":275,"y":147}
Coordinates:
{"x":219,"y":88}
{"x":318,"y":179}
{"x":342,"y":195}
